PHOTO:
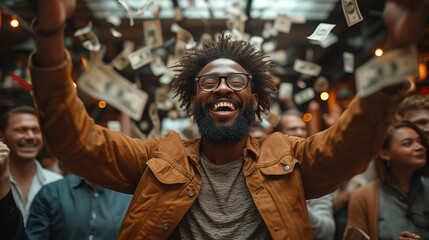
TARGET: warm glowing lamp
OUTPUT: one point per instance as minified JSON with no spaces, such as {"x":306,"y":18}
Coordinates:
{"x":14,"y":22}
{"x":307,"y":117}
{"x":324,"y":96}
{"x":378,"y":52}
{"x":102,"y":104}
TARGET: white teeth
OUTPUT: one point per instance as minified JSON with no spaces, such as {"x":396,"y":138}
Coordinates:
{"x":224,"y":104}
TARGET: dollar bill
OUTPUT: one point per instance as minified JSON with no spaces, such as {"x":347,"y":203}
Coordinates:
{"x":321,"y":32}
{"x":391,"y":68}
{"x":349,"y":62}
{"x":104,"y":83}
{"x":140,"y":57}
{"x":351,"y":12}
{"x":115,"y":33}
{"x":307,"y":68}
{"x":179,"y":49}
{"x":153,"y":114}
{"x":283,"y":23}
{"x":269,"y":30}
{"x":92,"y":44}
{"x":279,"y":57}
{"x":84,"y":30}
{"x":256,"y":41}
{"x":153,"y":33}
{"x":329,"y":40}
{"x":186,"y":37}
{"x":143,"y":8}
{"x":115,"y":20}
{"x":158,"y":66}
{"x":204,"y":37}
{"x":127,"y":7}
{"x":285,"y":90}
{"x":269,"y":47}
{"x":120,"y":62}
{"x":178,"y":14}
{"x":304,"y":96}
{"x":96,"y":57}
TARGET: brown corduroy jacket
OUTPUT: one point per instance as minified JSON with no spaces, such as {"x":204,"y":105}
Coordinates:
{"x":165,"y":175}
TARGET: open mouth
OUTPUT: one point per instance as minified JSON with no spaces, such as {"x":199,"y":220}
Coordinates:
{"x":28,"y":147}
{"x":223,"y":106}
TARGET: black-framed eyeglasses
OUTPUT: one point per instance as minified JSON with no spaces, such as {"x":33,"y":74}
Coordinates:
{"x":420,"y":220}
{"x":235,"y":81}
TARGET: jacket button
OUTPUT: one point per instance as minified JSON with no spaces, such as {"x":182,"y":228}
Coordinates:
{"x":166,"y":227}
{"x":285,"y":168}
{"x":191,"y":193}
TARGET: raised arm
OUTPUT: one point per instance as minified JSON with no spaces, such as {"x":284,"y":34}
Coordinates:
{"x":51,"y":19}
{"x":4,"y":170}
{"x":11,"y":221}
{"x":405,"y":21}
{"x":110,"y":159}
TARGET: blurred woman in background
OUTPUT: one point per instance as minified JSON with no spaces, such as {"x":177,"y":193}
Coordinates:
{"x":395,"y":206}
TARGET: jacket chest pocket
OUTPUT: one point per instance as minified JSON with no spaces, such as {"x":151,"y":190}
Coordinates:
{"x":283,"y":180}
{"x":281,"y":167}
{"x":165,"y":172}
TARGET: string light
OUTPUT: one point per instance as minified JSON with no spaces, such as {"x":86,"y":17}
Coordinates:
{"x":324,"y":96}
{"x":102,"y":104}
{"x":378,"y":52}
{"x":84,"y":63}
{"x":307,"y":117}
{"x":14,"y":22}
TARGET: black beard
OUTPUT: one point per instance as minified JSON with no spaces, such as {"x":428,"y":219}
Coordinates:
{"x":223,"y":135}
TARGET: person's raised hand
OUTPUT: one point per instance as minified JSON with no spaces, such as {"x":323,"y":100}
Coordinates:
{"x":405,"y":21}
{"x":405,"y":235}
{"x":4,"y":170}
{"x":53,"y":13}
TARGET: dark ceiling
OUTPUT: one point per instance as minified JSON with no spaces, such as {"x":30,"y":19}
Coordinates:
{"x":360,"y":39}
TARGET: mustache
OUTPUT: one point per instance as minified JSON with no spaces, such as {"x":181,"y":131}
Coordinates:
{"x":220,"y":96}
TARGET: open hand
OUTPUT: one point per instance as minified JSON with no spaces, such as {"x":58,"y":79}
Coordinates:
{"x":54,"y":13}
{"x":407,"y":235}
{"x":405,"y":21}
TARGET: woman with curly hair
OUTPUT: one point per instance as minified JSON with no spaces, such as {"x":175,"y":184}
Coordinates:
{"x":396,"y":205}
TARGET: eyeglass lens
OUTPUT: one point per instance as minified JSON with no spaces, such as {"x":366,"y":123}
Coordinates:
{"x":236,"y":81}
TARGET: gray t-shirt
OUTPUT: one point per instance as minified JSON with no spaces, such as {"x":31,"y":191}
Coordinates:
{"x":224,"y":208}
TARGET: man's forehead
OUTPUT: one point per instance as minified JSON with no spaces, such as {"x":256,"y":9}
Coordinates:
{"x":23,"y":118}
{"x":414,"y":114}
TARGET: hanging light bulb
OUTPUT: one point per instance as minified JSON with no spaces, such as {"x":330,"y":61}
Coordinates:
{"x":14,"y":22}
{"x":378,"y":52}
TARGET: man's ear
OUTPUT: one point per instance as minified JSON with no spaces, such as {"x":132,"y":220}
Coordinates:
{"x":255,"y":101}
{"x":385,"y":154}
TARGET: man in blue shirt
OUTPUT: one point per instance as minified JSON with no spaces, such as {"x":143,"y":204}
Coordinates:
{"x":75,"y":208}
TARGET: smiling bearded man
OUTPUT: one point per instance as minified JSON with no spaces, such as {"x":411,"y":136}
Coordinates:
{"x":224,"y":134}
{"x":212,"y":187}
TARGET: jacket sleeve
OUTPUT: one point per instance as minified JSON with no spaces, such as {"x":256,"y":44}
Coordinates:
{"x":333,"y":156}
{"x":110,"y":159}
{"x":358,"y":212}
{"x":39,"y":221}
{"x":321,"y":216}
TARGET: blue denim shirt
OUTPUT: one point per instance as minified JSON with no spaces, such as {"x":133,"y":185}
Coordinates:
{"x":71,"y":209}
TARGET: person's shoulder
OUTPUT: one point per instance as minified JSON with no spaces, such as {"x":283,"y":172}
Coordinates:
{"x":51,"y":176}
{"x":366,"y":191}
